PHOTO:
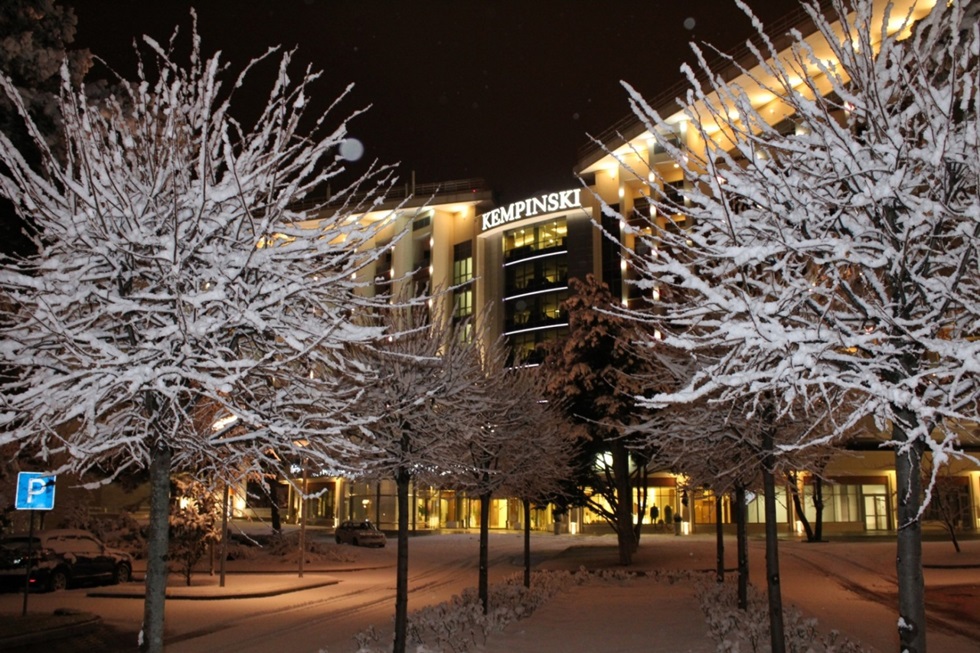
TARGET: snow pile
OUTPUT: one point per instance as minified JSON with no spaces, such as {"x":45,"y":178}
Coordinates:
{"x":286,"y":549}
{"x":737,"y":630}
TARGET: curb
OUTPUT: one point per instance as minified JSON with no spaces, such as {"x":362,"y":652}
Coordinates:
{"x":211,"y":592}
{"x":46,"y":635}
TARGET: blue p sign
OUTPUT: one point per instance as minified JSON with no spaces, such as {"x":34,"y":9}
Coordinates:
{"x":35,"y":491}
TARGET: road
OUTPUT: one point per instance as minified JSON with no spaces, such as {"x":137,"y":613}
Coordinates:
{"x":315,"y":620}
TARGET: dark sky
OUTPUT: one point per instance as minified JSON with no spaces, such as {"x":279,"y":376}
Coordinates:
{"x":506,"y":91}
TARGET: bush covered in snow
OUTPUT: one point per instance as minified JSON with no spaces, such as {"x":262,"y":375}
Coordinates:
{"x":738,"y":631}
{"x":459,"y":625}
{"x":286,"y":548}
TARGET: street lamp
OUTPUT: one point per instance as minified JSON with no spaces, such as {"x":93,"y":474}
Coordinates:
{"x":302,"y":507}
{"x":218,"y":425}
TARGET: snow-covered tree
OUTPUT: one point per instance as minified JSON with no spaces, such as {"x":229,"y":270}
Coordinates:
{"x":591,"y":374}
{"x":172,"y":271}
{"x":836,"y":257}
{"x":424,"y":393}
{"x":195,"y":523}
{"x":539,"y":461}
{"x":515,"y":443}
{"x":950,"y":505}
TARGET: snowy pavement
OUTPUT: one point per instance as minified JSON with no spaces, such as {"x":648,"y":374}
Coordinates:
{"x":847,"y":585}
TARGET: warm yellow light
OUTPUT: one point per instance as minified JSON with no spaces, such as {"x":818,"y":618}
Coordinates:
{"x":223,"y":422}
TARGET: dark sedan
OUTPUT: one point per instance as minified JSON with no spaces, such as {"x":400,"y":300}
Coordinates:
{"x":60,"y":558}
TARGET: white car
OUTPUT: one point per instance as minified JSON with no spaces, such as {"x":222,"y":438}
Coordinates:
{"x":359,"y":533}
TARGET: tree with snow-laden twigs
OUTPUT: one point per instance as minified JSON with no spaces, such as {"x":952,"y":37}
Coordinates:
{"x":539,"y":461}
{"x":172,"y":273}
{"x":831,"y":248}
{"x":425,"y":393}
{"x":516,"y":443}
{"x":195,"y":523}
{"x":725,"y":448}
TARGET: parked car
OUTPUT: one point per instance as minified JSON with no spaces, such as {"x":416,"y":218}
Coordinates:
{"x":359,"y":533}
{"x":60,"y":558}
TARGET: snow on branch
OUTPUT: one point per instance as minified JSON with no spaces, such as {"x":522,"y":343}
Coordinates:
{"x":827,"y":256}
{"x":175,"y":277}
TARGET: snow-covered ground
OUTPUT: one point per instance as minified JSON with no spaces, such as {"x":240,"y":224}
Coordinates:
{"x":846,"y":585}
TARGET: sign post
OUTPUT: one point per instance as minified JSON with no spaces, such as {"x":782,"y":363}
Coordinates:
{"x":35,"y":491}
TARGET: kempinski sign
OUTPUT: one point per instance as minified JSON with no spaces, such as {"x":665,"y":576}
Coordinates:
{"x":566,"y":199}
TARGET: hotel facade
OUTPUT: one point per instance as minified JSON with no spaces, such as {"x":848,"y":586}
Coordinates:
{"x":514,"y":261}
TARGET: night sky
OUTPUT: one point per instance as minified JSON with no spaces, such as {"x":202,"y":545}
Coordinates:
{"x":505,"y":91}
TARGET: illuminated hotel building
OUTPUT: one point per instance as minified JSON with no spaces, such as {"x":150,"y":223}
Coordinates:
{"x":860,"y":495}
{"x":517,"y":260}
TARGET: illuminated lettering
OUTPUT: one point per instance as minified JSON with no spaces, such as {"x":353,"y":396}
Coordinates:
{"x":560,"y":201}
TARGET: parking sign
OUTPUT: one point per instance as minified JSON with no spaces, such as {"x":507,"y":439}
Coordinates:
{"x":35,"y":491}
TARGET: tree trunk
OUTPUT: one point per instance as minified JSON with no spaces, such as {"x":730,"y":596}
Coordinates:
{"x":818,"y":508}
{"x":911,"y":586}
{"x":719,"y":541}
{"x":484,"y":582}
{"x":527,"y":543}
{"x":952,"y":535}
{"x":151,"y":636}
{"x":402,"y":479}
{"x":776,"y":632}
{"x":743,"y":548}
{"x":624,"y":502}
{"x":274,"y":504}
{"x":642,"y":478}
{"x":794,"y":488}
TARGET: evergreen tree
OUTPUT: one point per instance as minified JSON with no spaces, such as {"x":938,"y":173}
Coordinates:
{"x":593,"y":375}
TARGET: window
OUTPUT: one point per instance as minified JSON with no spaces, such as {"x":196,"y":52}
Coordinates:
{"x":462,"y":271}
{"x":539,"y":238}
{"x":519,"y":277}
{"x":840,"y":503}
{"x":755,"y":512}
{"x":462,"y":278}
{"x":463,"y":302}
